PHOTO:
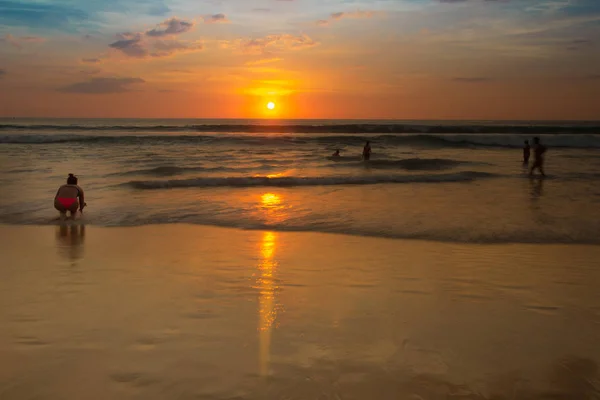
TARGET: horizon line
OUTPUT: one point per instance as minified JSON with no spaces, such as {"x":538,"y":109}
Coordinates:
{"x":302,"y":119}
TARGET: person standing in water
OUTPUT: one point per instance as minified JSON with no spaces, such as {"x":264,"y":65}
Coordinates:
{"x":367,"y":151}
{"x":538,"y":157}
{"x":69,"y":197}
{"x":526,"y":153}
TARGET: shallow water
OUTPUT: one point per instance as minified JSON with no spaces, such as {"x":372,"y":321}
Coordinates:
{"x":193,"y":312}
{"x":445,"y":187}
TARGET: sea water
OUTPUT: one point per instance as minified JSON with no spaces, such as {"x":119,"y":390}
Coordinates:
{"x":446,"y":181}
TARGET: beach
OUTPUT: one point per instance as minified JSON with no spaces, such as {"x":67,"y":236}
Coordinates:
{"x":196,"y":312}
{"x":242,"y":261}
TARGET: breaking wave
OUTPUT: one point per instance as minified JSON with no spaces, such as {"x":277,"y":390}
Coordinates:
{"x":330,"y":140}
{"x":173,"y":170}
{"x":412,"y":164}
{"x":261,"y":181}
{"x":320,"y":128}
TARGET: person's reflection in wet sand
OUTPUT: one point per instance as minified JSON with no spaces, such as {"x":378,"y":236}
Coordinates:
{"x":69,"y":241}
{"x":537,"y":188}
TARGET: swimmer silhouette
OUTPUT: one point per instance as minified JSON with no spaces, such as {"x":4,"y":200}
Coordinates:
{"x":538,"y":157}
{"x":526,"y":152}
{"x":367,"y":151}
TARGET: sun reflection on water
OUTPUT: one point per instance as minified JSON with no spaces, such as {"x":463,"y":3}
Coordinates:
{"x":270,"y":199}
{"x":272,"y":209}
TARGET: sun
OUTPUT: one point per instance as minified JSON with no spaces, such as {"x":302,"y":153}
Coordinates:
{"x":271,"y":105}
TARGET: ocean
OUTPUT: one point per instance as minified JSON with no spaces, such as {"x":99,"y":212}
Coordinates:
{"x":442,"y":181}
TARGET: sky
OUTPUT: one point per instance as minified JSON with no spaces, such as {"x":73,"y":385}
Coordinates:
{"x":315,"y":59}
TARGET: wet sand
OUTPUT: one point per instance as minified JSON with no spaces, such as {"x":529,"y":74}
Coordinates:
{"x":192,"y":312}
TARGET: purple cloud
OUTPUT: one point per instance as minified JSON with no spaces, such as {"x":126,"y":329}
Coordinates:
{"x":165,"y":48}
{"x":130,"y":44}
{"x":341,"y":15}
{"x":215,"y":19}
{"x":173,"y":26}
{"x":275,"y":43}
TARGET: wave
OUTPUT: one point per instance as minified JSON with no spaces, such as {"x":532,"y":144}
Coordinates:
{"x":319,"y":128}
{"x":174,"y":170}
{"x":417,"y":164}
{"x":584,"y":237}
{"x":580,"y":234}
{"x":344,"y":158}
{"x":254,"y":181}
{"x":329,"y":141}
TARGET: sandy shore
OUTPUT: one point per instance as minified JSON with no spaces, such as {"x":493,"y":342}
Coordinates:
{"x":191,"y":312}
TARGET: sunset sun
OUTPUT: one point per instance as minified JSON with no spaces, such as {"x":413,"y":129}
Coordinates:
{"x":271,"y":105}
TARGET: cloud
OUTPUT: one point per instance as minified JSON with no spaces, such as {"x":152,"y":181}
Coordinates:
{"x":2,"y":72}
{"x":130,"y":44}
{"x":341,"y":15}
{"x":136,"y":46}
{"x":90,"y":60}
{"x":165,"y":48}
{"x":476,"y":79}
{"x":170,"y":27}
{"x":578,"y":44}
{"x":102,"y":86}
{"x":275,"y":43}
{"x":215,"y":19}
{"x":19,"y":41}
{"x":263,"y":61}
{"x":152,"y":44}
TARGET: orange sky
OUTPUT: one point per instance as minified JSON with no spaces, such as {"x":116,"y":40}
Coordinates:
{"x":417,"y":59}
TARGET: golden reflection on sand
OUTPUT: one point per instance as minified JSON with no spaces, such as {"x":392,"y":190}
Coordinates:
{"x":267,"y":287}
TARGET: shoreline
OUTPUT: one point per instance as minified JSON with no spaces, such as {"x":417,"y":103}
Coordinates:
{"x":80,"y":222}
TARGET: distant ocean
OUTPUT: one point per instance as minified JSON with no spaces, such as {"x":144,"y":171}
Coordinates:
{"x":442,"y":180}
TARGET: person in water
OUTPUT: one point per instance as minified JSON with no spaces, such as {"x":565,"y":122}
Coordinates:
{"x":336,"y":154}
{"x":526,"y":152}
{"x":367,"y":151}
{"x":69,"y":197}
{"x":538,"y":156}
